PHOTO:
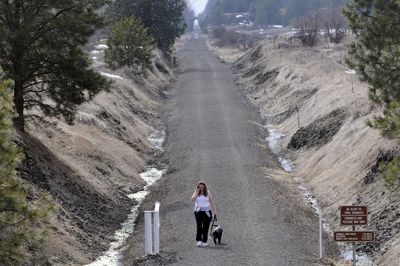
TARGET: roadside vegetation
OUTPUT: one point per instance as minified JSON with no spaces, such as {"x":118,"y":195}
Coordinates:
{"x":329,"y":24}
{"x":226,"y":37}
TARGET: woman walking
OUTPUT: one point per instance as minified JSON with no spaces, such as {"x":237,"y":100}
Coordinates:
{"x":204,"y":209}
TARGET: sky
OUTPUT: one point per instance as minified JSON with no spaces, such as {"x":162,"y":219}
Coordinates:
{"x":198,"y":5}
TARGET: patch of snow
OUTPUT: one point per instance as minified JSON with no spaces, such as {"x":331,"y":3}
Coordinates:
{"x":361,"y":259}
{"x":101,"y":46}
{"x":277,"y":26}
{"x":152,"y":175}
{"x":273,"y":142}
{"x":113,"y":256}
{"x":273,"y":138}
{"x":111,"y":75}
{"x":95,"y":52}
{"x":158,"y":138}
{"x":351,"y":72}
{"x":286,"y":164}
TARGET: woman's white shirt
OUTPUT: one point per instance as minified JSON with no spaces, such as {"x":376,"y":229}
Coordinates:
{"x":202,"y":203}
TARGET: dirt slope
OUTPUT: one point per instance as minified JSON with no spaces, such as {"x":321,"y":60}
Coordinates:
{"x":90,"y":167}
{"x":334,"y":151}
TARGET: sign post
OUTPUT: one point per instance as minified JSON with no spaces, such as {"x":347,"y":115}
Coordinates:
{"x":320,"y":236}
{"x":354,"y":249}
{"x":353,"y":216}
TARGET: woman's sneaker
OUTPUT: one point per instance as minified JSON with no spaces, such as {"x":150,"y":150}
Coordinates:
{"x":199,"y":244}
{"x":204,"y":244}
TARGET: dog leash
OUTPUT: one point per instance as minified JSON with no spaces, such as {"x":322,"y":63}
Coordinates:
{"x":213,"y":225}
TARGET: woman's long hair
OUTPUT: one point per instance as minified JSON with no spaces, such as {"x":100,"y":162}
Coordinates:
{"x":205,"y":190}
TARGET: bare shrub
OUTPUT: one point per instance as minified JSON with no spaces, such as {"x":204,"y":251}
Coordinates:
{"x":226,"y":37}
{"x":218,"y":32}
{"x":335,"y":25}
{"x":307,"y":30}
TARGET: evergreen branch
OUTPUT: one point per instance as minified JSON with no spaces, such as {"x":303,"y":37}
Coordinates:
{"x":364,"y":13}
{"x":44,"y":24}
{"x":35,"y":103}
{"x":34,"y":84}
{"x":35,"y":118}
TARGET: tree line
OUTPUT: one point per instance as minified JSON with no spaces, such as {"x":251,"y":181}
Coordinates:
{"x":266,"y":12}
{"x":44,"y":72}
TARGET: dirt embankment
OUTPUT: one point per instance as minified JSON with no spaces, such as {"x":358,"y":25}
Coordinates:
{"x":307,"y":94}
{"x":90,"y":167}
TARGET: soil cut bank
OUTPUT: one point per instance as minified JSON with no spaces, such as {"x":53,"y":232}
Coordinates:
{"x":90,"y":167}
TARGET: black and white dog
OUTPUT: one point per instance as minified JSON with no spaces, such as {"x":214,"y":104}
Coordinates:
{"x":216,"y":233}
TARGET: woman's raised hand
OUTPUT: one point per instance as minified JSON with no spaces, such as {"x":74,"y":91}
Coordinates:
{"x":195,"y":194}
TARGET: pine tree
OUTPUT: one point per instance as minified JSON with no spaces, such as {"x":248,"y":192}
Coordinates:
{"x":375,"y":54}
{"x":217,"y":14}
{"x":129,"y":45}
{"x":17,"y":219}
{"x":40,"y":49}
{"x":163,"y":19}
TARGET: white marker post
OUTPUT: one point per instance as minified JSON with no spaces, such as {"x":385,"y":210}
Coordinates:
{"x":351,"y":72}
{"x":156,"y":217}
{"x":152,"y":223}
{"x":148,"y":244}
{"x":321,"y":254}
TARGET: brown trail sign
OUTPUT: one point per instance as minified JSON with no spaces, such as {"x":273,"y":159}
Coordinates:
{"x":354,"y":236}
{"x":353,"y":215}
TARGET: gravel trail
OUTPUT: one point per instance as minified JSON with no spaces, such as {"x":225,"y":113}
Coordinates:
{"x":214,"y":135}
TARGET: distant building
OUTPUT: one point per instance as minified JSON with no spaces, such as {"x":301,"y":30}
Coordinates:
{"x":237,"y":18}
